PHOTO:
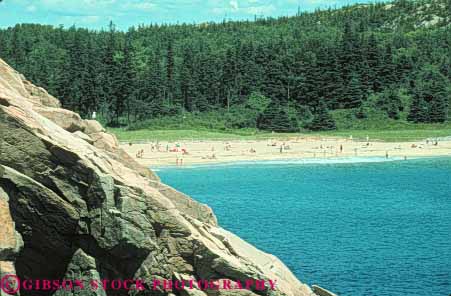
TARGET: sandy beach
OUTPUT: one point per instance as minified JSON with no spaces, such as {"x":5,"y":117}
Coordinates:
{"x":184,"y":153}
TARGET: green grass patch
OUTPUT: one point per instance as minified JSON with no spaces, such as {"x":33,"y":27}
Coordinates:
{"x":401,"y":131}
{"x":188,"y":134}
{"x":216,"y":126}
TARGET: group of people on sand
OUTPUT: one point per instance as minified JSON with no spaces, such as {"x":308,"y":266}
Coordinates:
{"x":177,"y":148}
{"x":284,"y":147}
{"x":323,"y":147}
{"x":435,"y":143}
{"x":140,"y":153}
{"x":156,"y":147}
{"x":212,"y":156}
{"x":179,"y":161}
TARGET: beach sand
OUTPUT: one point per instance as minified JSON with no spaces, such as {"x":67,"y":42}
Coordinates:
{"x":210,"y":152}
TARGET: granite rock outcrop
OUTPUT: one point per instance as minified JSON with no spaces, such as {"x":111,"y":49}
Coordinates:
{"x":74,"y":205}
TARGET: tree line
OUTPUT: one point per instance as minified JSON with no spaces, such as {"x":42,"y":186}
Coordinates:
{"x":274,"y":74}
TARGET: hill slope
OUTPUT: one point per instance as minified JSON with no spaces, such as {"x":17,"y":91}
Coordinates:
{"x":274,"y":74}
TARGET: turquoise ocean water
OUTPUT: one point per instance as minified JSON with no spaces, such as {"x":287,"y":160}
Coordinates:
{"x":354,"y":226}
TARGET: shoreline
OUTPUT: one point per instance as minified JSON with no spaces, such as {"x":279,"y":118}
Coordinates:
{"x":210,"y":152}
{"x":299,"y":161}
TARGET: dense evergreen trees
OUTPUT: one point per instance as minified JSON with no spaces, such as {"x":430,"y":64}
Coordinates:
{"x":310,"y":64}
{"x":276,"y":118}
{"x":322,"y":119}
{"x":431,"y":96}
{"x":391,"y":103}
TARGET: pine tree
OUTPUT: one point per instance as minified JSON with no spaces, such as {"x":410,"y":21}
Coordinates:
{"x":261,"y":59}
{"x":276,"y":118}
{"x":251,"y":76}
{"x":373,"y":58}
{"x":309,"y":86}
{"x":16,"y":49}
{"x":154,"y":78}
{"x":353,"y":93}
{"x":273,"y":85}
{"x":283,"y":123}
{"x":349,"y":51}
{"x":70,"y":86}
{"x":386,"y":71}
{"x":90,"y":78}
{"x":322,"y":120}
{"x":419,"y":111}
{"x":108,"y":76}
{"x":170,"y":87}
{"x":123,"y":84}
{"x":228,"y":81}
{"x":431,"y":96}
{"x":439,"y":109}
{"x":3,"y":49}
{"x":390,"y":102}
{"x":187,"y":86}
{"x":329,"y":81}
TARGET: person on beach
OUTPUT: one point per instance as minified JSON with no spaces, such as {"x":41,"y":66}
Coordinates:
{"x":281,"y":148}
{"x":341,"y":148}
{"x":177,"y":161}
{"x":386,"y":154}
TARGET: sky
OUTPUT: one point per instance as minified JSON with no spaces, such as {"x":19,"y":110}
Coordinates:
{"x":96,"y":14}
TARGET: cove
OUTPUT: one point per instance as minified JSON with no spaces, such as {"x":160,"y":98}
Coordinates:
{"x":357,"y":227}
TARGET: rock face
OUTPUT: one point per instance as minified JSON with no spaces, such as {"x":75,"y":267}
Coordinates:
{"x":75,"y":206}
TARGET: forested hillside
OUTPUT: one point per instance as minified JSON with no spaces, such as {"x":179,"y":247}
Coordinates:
{"x":390,"y":59}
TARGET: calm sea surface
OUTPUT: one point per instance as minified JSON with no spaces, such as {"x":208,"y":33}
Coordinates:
{"x":371,"y":228}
